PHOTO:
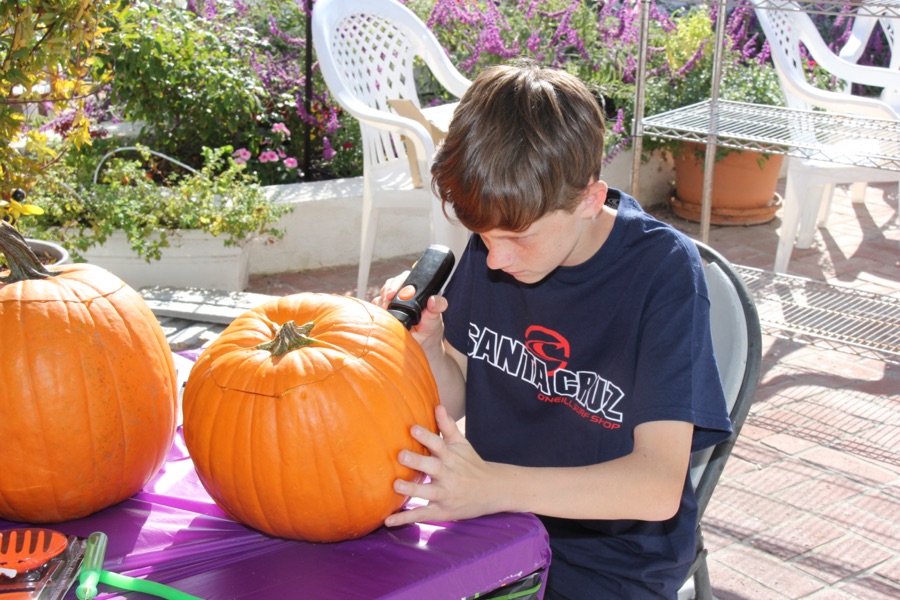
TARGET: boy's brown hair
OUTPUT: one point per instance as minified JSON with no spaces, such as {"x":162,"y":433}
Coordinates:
{"x":524,"y":142}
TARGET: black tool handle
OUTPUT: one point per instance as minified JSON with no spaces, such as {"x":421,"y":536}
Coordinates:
{"x":428,"y":276}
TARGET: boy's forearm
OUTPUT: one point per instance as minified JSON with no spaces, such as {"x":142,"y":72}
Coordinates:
{"x":641,"y":485}
{"x":592,"y":492}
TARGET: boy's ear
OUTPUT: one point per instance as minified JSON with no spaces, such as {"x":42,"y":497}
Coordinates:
{"x":594,"y":198}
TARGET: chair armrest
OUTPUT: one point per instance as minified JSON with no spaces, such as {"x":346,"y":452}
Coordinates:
{"x":447,"y":74}
{"x":881,"y":77}
{"x":839,"y":102}
{"x":389,"y":121}
{"x":846,"y":69}
{"x":409,"y":128}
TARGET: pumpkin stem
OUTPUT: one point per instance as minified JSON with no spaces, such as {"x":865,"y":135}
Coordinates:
{"x":289,"y":336}
{"x":22,"y":262}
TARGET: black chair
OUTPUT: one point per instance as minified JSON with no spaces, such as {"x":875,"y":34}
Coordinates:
{"x":737,"y":341}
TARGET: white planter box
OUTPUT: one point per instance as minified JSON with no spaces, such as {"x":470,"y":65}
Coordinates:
{"x":194,"y":260}
{"x":324,"y":228}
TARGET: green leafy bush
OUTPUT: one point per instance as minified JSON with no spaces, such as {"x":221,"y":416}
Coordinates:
{"x":185,"y":80}
{"x":210,"y":73}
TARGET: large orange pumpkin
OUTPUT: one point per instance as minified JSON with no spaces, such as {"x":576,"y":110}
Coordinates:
{"x":87,"y":393}
{"x":295,"y":415}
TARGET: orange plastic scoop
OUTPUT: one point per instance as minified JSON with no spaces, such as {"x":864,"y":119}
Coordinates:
{"x":26,"y":549}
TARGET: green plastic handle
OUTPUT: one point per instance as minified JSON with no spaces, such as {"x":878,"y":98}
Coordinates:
{"x":91,"y":566}
{"x":92,"y":573}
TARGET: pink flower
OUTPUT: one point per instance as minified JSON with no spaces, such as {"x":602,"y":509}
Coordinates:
{"x":268,"y":156}
{"x":242,"y":155}
{"x":290,"y":162}
{"x":281,"y":128}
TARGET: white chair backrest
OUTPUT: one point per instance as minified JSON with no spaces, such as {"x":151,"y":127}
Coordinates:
{"x":367,"y":51}
{"x":789,"y":30}
{"x":864,"y":25}
{"x":730,"y":344}
{"x":861,"y":33}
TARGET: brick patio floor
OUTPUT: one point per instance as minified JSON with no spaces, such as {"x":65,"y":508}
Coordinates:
{"x":809,"y":505}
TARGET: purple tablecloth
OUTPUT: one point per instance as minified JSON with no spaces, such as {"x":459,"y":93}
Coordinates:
{"x":173,"y":533}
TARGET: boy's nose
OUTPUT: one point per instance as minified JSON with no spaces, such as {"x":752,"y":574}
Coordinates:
{"x":498,"y":259}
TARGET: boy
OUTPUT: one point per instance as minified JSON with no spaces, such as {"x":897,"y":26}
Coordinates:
{"x":574,"y":337}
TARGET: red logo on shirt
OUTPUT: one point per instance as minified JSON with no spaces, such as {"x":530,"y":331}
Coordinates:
{"x":549,"y":346}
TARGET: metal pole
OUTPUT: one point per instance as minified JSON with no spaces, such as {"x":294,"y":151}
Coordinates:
{"x":637,"y":128}
{"x":307,"y":95}
{"x":710,"y":160}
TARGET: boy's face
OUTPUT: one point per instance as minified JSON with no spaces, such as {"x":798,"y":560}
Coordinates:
{"x":556,"y":239}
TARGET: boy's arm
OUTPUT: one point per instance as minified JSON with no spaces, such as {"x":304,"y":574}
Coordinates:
{"x":645,"y":484}
{"x":449,"y":370}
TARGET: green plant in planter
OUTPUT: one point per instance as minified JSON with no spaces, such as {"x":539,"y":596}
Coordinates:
{"x":221,"y":199}
{"x":680,"y":68}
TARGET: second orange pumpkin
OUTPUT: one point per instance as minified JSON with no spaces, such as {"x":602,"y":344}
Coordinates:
{"x":295,"y":415}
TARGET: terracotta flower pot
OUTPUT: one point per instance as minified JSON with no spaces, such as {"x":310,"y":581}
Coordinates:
{"x":744,"y":185}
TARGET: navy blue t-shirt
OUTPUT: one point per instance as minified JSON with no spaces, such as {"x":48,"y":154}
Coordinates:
{"x":561,"y":372}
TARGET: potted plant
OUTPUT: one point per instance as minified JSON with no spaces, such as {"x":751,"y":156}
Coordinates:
{"x":680,"y":70}
{"x":187,"y":229}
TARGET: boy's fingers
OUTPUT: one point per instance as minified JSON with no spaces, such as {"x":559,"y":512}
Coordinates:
{"x":449,"y":429}
{"x":389,"y":290}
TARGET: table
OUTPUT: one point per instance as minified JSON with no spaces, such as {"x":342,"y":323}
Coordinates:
{"x":173,"y":533}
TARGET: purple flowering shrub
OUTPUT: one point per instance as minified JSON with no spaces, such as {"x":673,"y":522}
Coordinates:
{"x":595,"y":41}
{"x":288,"y":125}
{"x":599,"y":42}
{"x":288,"y":118}
{"x":245,"y":86}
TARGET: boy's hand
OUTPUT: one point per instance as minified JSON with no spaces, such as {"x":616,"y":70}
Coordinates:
{"x":430,"y":329}
{"x":462,"y":484}
{"x":390,"y":289}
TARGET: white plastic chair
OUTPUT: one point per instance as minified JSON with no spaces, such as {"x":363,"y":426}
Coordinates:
{"x":810,"y":183}
{"x":852,"y":50}
{"x":366,"y":51}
